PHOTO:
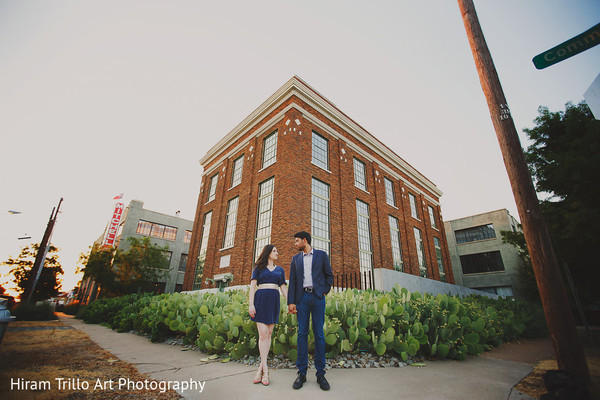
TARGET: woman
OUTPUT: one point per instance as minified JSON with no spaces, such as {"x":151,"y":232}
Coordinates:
{"x":267,"y":279}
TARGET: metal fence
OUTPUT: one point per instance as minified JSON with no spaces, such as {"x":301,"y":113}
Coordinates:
{"x":353,"y":280}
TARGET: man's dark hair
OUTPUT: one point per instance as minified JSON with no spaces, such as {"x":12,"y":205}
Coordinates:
{"x":303,"y":235}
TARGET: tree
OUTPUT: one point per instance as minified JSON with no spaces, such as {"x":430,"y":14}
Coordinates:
{"x":564,"y":161}
{"x":527,"y":284}
{"x":141,"y":265}
{"x":121,"y":272}
{"x":99,"y":267}
{"x":48,"y":284}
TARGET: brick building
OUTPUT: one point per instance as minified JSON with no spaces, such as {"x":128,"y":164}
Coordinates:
{"x":299,"y":163}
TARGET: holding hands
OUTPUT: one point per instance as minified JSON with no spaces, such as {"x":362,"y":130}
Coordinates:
{"x":292,"y":308}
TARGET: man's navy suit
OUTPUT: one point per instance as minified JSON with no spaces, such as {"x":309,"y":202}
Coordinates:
{"x":310,"y":303}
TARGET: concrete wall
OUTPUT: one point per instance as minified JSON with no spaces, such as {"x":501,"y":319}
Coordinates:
{"x":502,"y":221}
{"x":386,"y":279}
{"x":134,"y":213}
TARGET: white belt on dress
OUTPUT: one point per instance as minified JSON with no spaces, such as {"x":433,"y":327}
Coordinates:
{"x":268,"y":286}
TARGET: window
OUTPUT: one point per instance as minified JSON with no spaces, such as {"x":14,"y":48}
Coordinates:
{"x":364,"y":240}
{"x":432,"y":218}
{"x":203,"y":249}
{"x":474,"y":234}
{"x":414,"y":209}
{"x":167,"y":255}
{"x":264,"y":215}
{"x":420,"y":252}
{"x":183,"y":262}
{"x":230,"y":222}
{"x":320,"y":215}
{"x":212,"y":188}
{"x":489,"y":261}
{"x":360,"y":175}
{"x":390,"y":197}
{"x":396,"y":247}
{"x":270,"y":150}
{"x":236,"y":176}
{"x":320,"y":151}
{"x":188,"y":237}
{"x":170,"y":233}
{"x":156,"y":230}
{"x":144,"y":228}
{"x":440,"y":261}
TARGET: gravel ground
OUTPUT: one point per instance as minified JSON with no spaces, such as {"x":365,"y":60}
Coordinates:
{"x":360,"y":360}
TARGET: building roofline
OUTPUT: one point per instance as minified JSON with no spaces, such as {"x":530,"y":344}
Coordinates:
{"x":296,"y":86}
{"x":483,"y":213}
{"x":157,"y":212}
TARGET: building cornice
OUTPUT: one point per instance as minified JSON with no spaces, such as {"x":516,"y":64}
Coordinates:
{"x":297,"y":87}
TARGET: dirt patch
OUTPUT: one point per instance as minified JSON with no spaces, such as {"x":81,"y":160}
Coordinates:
{"x":533,"y":384}
{"x":32,"y":357}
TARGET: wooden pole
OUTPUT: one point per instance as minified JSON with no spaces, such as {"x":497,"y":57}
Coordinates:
{"x":561,"y":323}
{"x":40,"y":257}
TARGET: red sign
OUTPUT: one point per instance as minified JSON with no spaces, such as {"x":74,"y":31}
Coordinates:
{"x":113,"y":228}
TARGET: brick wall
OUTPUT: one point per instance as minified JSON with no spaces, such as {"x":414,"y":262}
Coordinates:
{"x":295,"y":120}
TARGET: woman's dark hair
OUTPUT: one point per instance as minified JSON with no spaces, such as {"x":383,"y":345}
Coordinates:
{"x":263,"y":259}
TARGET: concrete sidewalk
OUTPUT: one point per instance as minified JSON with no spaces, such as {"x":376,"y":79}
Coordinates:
{"x":478,"y":377}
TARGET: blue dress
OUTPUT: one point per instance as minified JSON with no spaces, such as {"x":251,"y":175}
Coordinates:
{"x":266,"y":301}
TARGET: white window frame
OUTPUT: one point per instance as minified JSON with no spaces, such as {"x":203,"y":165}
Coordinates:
{"x":319,"y":152}
{"x":360,"y":174}
{"x":238,"y":167}
{"x":396,"y":243}
{"x":390,"y":196}
{"x":365,"y":248}
{"x":414,"y":208}
{"x":269,"y":156}
{"x":440,"y":260}
{"x":264,"y":218}
{"x":420,"y":252}
{"x":203,"y":250}
{"x":318,"y":218}
{"x":212,"y":188}
{"x":231,"y":222}
{"x":432,"y":218}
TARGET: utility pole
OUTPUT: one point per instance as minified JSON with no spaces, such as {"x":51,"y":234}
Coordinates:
{"x":561,"y":323}
{"x":40,"y":257}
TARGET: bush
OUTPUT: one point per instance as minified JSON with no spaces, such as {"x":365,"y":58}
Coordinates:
{"x":34,"y":312}
{"x":399,"y":322}
{"x":72,"y":309}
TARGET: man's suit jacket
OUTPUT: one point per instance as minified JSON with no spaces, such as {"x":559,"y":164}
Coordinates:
{"x":321,"y":275}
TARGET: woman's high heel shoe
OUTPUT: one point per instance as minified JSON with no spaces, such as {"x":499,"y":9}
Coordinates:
{"x":265,"y":378}
{"x":258,"y":376}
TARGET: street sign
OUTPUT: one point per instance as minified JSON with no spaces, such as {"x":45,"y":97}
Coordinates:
{"x":579,"y":43}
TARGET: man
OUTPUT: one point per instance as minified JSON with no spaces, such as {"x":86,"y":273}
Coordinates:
{"x":310,"y":281}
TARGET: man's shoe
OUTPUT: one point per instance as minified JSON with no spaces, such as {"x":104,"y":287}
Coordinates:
{"x":323,"y":384}
{"x":299,"y":381}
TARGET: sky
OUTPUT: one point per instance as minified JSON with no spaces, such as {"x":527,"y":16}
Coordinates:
{"x":99,"y":98}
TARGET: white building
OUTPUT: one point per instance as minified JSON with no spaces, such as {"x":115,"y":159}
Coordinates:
{"x":163,"y":230}
{"x":479,"y":258}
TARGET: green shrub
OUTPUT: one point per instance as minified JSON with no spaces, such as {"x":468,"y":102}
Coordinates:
{"x":34,"y":312}
{"x":399,"y":322}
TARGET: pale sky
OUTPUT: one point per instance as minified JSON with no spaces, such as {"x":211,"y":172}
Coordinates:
{"x":103,"y":97}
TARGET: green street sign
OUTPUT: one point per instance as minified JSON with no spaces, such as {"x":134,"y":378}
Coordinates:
{"x":579,"y":43}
